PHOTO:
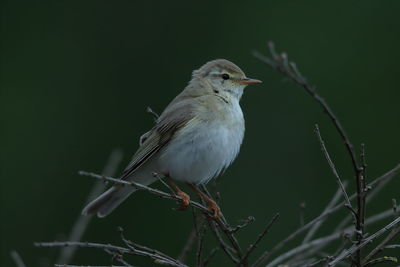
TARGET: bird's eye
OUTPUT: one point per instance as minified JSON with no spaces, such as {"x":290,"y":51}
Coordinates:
{"x":225,"y":76}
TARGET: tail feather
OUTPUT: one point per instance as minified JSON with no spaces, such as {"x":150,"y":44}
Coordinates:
{"x":108,"y":201}
{"x":113,"y":197}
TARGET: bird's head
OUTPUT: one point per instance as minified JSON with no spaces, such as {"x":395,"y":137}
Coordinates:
{"x":224,"y":77}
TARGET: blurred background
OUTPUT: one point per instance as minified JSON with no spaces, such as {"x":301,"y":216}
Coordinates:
{"x":77,"y":76}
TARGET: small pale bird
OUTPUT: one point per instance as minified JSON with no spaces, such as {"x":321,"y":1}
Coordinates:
{"x":198,"y":135}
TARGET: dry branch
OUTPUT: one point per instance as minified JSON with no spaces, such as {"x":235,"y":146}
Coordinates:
{"x":347,"y":253}
{"x":335,"y":173}
{"x":82,"y":222}
{"x":133,"y":249}
{"x":17,"y":259}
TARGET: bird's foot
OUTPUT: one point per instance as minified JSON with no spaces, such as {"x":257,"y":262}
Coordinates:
{"x":185,"y":200}
{"x":214,"y":209}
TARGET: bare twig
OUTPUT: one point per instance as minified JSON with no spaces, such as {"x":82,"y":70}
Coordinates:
{"x":375,"y":188}
{"x":281,"y":64}
{"x":388,"y":175}
{"x":347,"y":253}
{"x":17,"y":259}
{"x":251,"y":248}
{"x":134,"y":249}
{"x":320,"y":243}
{"x":199,"y":220}
{"x":210,"y":256}
{"x":118,"y":257}
{"x":119,"y":249}
{"x":393,"y":246}
{"x":382,"y":245}
{"x":82,"y":222}
{"x":314,"y":243}
{"x":335,"y":173}
{"x":148,"y":252}
{"x":145,"y":188}
{"x":316,"y":262}
{"x":310,"y":234}
{"x":227,"y":231}
{"x":380,"y":260}
{"x":160,"y":178}
{"x":379,"y":216}
{"x":223,"y":245}
{"x":200,"y":245}
{"x":246,"y":222}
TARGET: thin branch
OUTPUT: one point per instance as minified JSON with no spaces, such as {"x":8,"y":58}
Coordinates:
{"x":388,"y":175}
{"x":223,"y":245}
{"x":382,"y":245}
{"x":148,"y":252}
{"x":316,"y":262}
{"x":320,"y":243}
{"x":380,"y":260}
{"x":17,"y":259}
{"x":200,"y":245}
{"x":310,"y":234}
{"x":280,"y":63}
{"x":227,"y":231}
{"x":82,"y":222}
{"x":133,"y":249}
{"x":335,"y":173}
{"x":379,"y":216}
{"x":160,"y":178}
{"x":118,"y":257}
{"x":210,"y":256}
{"x":246,"y":222}
{"x":375,"y":188}
{"x":314,"y":243}
{"x":259,"y":238}
{"x":119,"y":249}
{"x":347,"y":253}
{"x":145,"y":188}
{"x":192,"y":236}
{"x":393,"y":246}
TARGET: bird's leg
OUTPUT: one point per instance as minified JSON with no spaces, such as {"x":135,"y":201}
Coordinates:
{"x":185,"y":197}
{"x":212,"y":206}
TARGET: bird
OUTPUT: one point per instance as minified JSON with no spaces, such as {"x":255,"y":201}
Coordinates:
{"x":196,"y":137}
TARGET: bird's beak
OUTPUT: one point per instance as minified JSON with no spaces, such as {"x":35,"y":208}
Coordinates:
{"x":249,"y":81}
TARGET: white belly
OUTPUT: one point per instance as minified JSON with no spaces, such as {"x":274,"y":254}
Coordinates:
{"x":201,"y":152}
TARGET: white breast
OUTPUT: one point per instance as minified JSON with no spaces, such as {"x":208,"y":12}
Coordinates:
{"x":203,"y":149}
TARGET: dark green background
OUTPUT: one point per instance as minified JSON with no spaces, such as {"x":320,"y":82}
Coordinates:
{"x":77,"y":76}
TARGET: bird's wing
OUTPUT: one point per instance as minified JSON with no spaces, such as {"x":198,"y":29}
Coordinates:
{"x":172,"y":120}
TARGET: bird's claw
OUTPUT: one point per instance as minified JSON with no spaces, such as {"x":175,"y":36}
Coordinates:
{"x":215,"y":211}
{"x":185,"y":200}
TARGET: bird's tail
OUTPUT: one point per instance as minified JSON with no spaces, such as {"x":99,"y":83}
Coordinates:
{"x":108,"y":201}
{"x":113,"y":197}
